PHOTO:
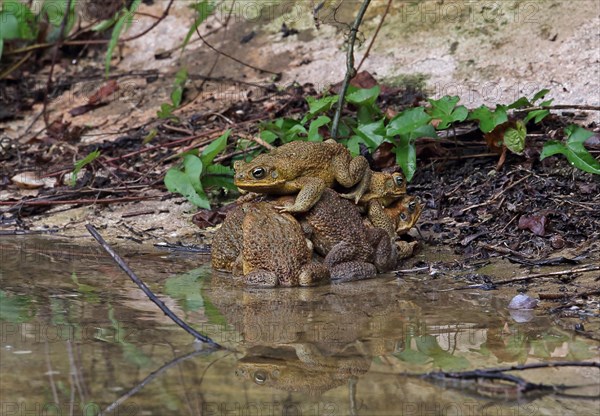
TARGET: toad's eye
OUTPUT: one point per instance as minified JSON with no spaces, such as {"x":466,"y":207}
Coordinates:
{"x":260,"y":377}
{"x":258,"y":173}
{"x":399,"y":180}
{"x":403,"y":217}
{"x":412,"y":205}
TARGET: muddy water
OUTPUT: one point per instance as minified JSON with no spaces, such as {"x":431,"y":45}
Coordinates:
{"x":77,"y":337}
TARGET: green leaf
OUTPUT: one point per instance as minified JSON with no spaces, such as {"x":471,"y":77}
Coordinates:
{"x":214,"y":148}
{"x":114,"y":39}
{"x":364,"y":96}
{"x":178,"y":86}
{"x":520,"y":103}
{"x":318,"y":106}
{"x":546,"y":103}
{"x":313,"y":130}
{"x":55,"y":12}
{"x":577,"y":134}
{"x":446,"y":111}
{"x":514,"y":139}
{"x":353,"y":145}
{"x":105,"y":24}
{"x":373,"y":134}
{"x":407,"y":122}
{"x":1,"y":46}
{"x":132,"y":9}
{"x":268,"y":136}
{"x":17,"y":22}
{"x":406,"y":157}
{"x":187,"y":182}
{"x":537,"y":115}
{"x":203,"y":10}
{"x":218,"y":176}
{"x":539,"y":95}
{"x":576,"y":154}
{"x":488,"y":119}
{"x":166,"y":111}
{"x":82,"y":163}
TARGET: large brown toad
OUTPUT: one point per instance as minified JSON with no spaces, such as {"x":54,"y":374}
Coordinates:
{"x":306,"y":168}
{"x":404,"y":213}
{"x":227,"y":242}
{"x":352,"y":251}
{"x":275,"y":251}
{"x":383,"y":190}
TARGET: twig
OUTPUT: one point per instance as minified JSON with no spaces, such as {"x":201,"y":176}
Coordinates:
{"x":385,"y":13}
{"x":147,"y":291}
{"x":350,"y":70}
{"x":233,"y":58}
{"x":562,"y":107}
{"x":496,"y":196}
{"x":148,"y":379}
{"x":256,"y":140}
{"x":61,"y":35}
{"x":78,"y":201}
{"x":526,"y":278}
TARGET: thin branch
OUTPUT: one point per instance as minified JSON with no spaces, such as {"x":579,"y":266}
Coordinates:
{"x":562,"y":107}
{"x":385,"y":13}
{"x":233,"y":58}
{"x":350,"y":70}
{"x":147,"y":291}
{"x":61,"y":37}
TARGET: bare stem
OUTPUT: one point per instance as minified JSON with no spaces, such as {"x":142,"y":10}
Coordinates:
{"x":350,"y":70}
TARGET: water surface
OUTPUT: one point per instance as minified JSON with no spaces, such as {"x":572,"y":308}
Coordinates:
{"x":78,"y":337}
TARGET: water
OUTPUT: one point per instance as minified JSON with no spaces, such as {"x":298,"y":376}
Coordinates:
{"x":78,"y":337}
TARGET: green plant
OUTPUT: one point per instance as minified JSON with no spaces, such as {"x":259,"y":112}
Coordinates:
{"x":18,"y":22}
{"x":198,"y":171}
{"x":166,"y":109}
{"x":573,"y":149}
{"x":81,"y":164}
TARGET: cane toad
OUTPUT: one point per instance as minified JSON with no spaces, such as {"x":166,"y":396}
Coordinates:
{"x":352,"y":251}
{"x":306,"y":168}
{"x":404,"y":213}
{"x":383,"y":190}
{"x":275,"y":251}
{"x":227,"y":242}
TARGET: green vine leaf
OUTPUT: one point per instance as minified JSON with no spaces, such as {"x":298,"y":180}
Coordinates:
{"x":487,"y":118}
{"x":446,"y":111}
{"x":203,"y":10}
{"x":214,"y":148}
{"x":514,"y":138}
{"x":82,"y":163}
{"x":574,"y":150}
{"x":187,"y":182}
{"x":407,"y":122}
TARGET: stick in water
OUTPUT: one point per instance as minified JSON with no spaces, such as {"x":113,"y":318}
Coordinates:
{"x":147,"y":291}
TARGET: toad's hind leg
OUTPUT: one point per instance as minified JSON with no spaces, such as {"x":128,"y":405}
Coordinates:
{"x":261,"y":278}
{"x":352,"y":271}
{"x":340,"y":253}
{"x":385,"y":252}
{"x":313,"y":274}
{"x":352,"y":171}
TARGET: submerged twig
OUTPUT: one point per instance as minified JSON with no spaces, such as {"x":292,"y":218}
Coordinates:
{"x":147,"y":291}
{"x":350,"y":70}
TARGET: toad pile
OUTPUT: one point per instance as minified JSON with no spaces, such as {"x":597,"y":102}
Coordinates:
{"x":272,"y":238}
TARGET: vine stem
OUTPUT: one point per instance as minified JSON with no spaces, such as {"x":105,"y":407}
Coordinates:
{"x":197,"y":335}
{"x":350,"y":70}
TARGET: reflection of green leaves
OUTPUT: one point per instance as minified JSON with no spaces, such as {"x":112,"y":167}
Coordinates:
{"x":88,"y":292}
{"x":15,"y":308}
{"x":429,"y":346}
{"x":446,"y":111}
{"x":187,"y":289}
{"x":131,"y":353}
{"x":574,"y":150}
